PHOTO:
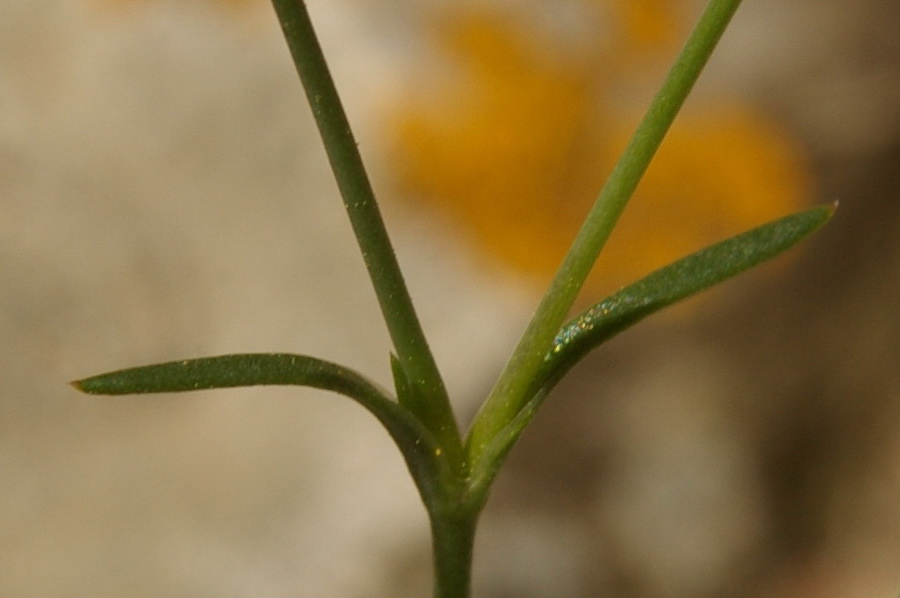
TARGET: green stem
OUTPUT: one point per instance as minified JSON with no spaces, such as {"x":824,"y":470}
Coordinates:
{"x":510,"y":392}
{"x":431,"y":404}
{"x":453,"y":539}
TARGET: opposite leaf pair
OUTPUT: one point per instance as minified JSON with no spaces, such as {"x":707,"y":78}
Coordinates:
{"x":421,"y":449}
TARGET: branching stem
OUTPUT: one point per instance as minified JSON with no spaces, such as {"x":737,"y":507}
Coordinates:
{"x":432,"y":404}
{"x":510,"y":393}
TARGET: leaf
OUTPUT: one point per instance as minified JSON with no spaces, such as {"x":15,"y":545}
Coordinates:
{"x":619,"y":311}
{"x":401,"y":384}
{"x":418,"y":445}
{"x":228,"y":371}
{"x":670,"y":284}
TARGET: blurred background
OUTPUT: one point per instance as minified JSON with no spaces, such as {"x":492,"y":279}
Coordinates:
{"x":163,"y":195}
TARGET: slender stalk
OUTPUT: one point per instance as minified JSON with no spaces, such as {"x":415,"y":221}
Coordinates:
{"x":453,"y":539}
{"x":510,"y":392}
{"x":431,"y":403}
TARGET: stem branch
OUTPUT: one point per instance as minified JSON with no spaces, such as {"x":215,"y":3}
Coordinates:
{"x":510,"y":392}
{"x":432,"y":404}
{"x":453,"y":539}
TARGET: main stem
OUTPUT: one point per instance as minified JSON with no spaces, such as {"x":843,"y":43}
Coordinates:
{"x":510,"y":392}
{"x":432,"y":405}
{"x":453,"y":539}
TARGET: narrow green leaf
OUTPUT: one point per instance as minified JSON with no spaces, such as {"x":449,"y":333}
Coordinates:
{"x":675,"y":282}
{"x":401,"y":384}
{"x":408,"y":395}
{"x":619,"y":311}
{"x":419,"y":446}
{"x":228,"y":371}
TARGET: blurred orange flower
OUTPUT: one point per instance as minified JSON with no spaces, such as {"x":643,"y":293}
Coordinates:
{"x":515,"y":150}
